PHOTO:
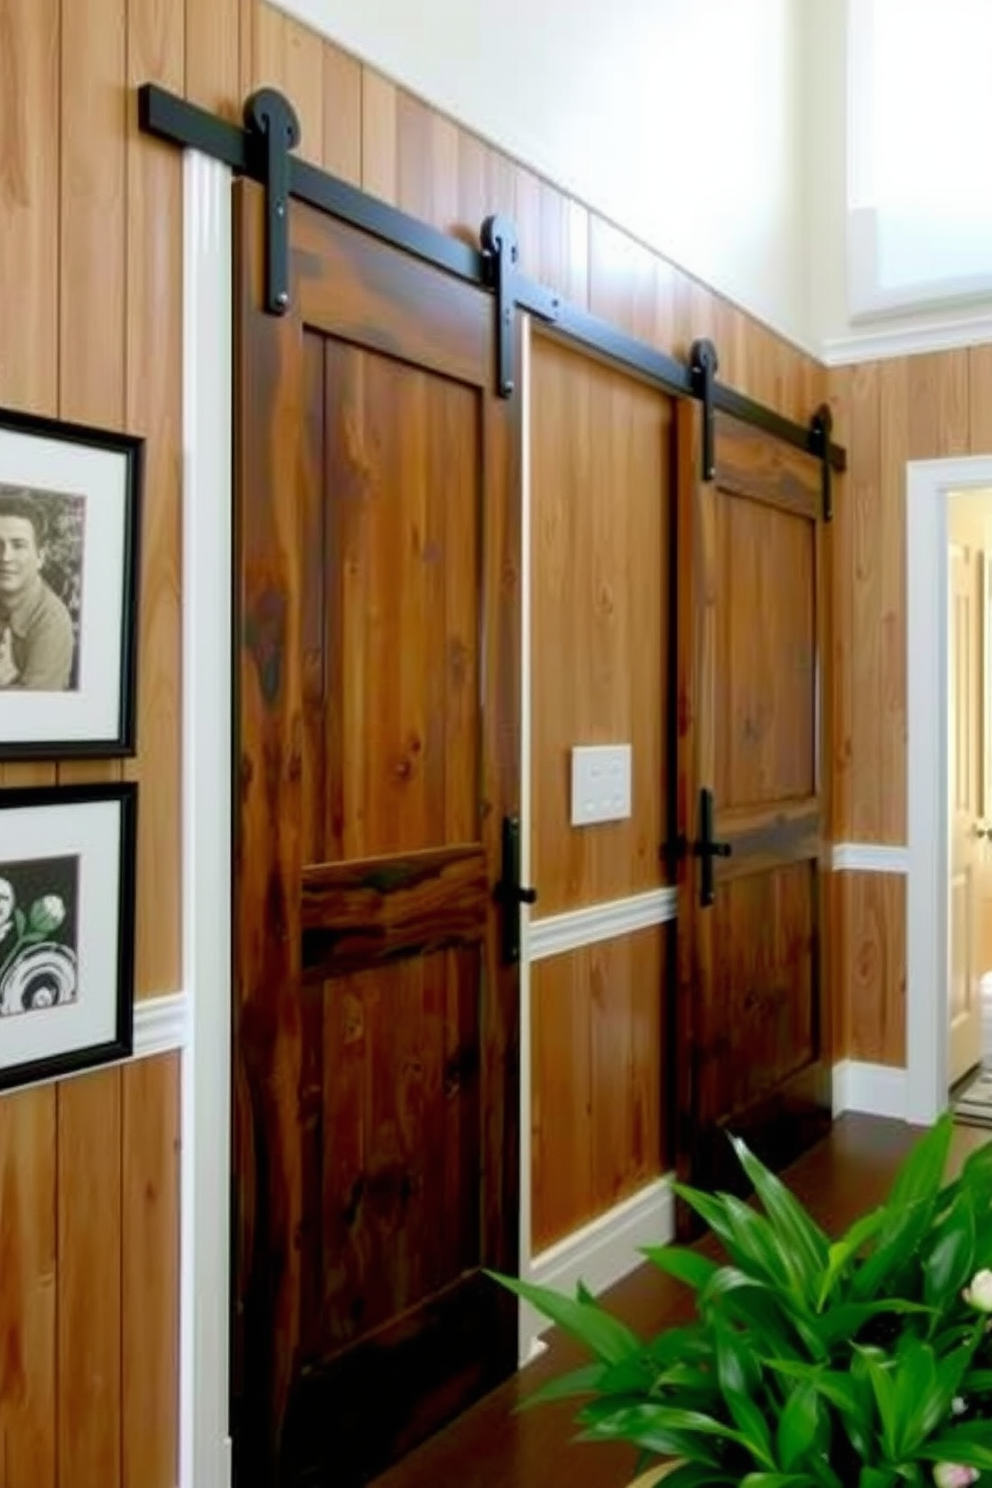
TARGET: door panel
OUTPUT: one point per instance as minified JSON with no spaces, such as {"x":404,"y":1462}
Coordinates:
{"x":968,"y":825}
{"x":751,"y":1019}
{"x":375,"y":1024}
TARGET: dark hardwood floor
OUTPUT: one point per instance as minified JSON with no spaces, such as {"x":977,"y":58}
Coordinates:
{"x":495,"y":1446}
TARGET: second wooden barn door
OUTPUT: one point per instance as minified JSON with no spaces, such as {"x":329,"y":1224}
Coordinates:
{"x":376,"y":1078}
{"x":751,"y":1007}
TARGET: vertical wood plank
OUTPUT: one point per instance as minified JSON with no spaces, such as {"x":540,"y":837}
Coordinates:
{"x":938,"y":411}
{"x":980,"y":400}
{"x":30,"y":41}
{"x":841,"y":637}
{"x":153,"y":405}
{"x":89,"y":1281}
{"x":212,"y":60}
{"x":150,"y":1279}
{"x":93,"y":239}
{"x":93,"y":228}
{"x":875,"y":911}
{"x":29,"y":204}
{"x":899,"y":439}
{"x":342,"y":88}
{"x":380,"y":157}
{"x":288,"y":56}
{"x":28,"y":1389}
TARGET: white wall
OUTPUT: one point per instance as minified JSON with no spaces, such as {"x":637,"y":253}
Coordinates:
{"x":679,"y":119}
{"x":831,"y":329}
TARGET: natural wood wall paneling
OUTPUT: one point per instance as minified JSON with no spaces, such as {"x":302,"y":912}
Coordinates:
{"x":152,"y":393}
{"x":29,"y":204}
{"x":598,"y":1051}
{"x":213,"y":44}
{"x":889,"y":412}
{"x":29,"y":235}
{"x":150,"y":1271}
{"x":89,"y":1394}
{"x":600,"y":524}
{"x":980,"y":400}
{"x":323,"y":83}
{"x":839,"y":761}
{"x":93,"y":238}
{"x":872,"y":925}
{"x":28,"y":1375}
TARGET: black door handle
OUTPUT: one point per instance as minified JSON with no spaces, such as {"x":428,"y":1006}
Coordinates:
{"x":510,"y":892}
{"x":706,"y":849}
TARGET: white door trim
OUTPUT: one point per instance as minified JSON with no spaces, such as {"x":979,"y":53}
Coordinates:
{"x":204,"y":1445}
{"x":928,"y":484}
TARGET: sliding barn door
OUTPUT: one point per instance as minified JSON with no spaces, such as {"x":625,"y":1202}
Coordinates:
{"x":376,"y":1067}
{"x":751,"y":1013}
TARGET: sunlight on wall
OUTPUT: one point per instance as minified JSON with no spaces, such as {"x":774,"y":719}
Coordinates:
{"x":678,"y":119}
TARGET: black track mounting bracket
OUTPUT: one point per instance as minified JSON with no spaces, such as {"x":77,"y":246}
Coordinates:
{"x":273,"y":129}
{"x":501,"y":253}
{"x":703,"y":367}
{"x":822,"y":426}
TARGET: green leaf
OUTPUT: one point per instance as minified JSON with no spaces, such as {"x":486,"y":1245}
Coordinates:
{"x":752,"y":1426}
{"x":765,"y":1308}
{"x":916,"y":1389}
{"x":970,"y":1444}
{"x":775,"y":1480}
{"x":747,"y":1238}
{"x":692,"y":1475}
{"x":582,"y":1292}
{"x":685,"y":1265}
{"x":908,"y":1209}
{"x":841,"y":1391}
{"x":950,"y":1261}
{"x":884,"y":1391}
{"x":584,"y":1381}
{"x":844,"y":1250}
{"x":877,"y":1477}
{"x":797,"y":1425}
{"x":602,"y":1334}
{"x":795,"y":1227}
{"x":662,"y":1429}
{"x":737,"y":1368}
{"x":848,"y":1318}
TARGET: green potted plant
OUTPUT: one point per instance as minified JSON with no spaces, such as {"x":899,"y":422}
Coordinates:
{"x":862,"y":1362}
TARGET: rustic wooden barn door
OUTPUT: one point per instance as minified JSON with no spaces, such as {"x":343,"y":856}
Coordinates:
{"x":751,"y":1007}
{"x":376,"y":1066}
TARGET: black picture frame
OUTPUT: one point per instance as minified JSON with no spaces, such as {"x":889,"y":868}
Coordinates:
{"x":120,"y":1042}
{"x":120,"y":741}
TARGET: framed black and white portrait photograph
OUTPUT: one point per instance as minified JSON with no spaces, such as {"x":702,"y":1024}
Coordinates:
{"x":67,"y":871}
{"x":69,"y":524}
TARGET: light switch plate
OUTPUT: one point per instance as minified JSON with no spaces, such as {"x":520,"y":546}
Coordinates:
{"x":601,"y":783}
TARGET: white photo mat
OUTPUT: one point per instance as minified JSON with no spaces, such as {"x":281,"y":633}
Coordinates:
{"x":92,"y":832}
{"x":100,"y":476}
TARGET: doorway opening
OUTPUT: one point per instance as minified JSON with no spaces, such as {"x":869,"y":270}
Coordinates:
{"x":949,"y":581}
{"x":969,"y":803}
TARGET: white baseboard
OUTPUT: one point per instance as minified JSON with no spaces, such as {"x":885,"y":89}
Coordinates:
{"x":872,"y":1089}
{"x":602,"y":1253}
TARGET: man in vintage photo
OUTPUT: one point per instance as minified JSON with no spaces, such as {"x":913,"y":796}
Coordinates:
{"x":36,"y":633}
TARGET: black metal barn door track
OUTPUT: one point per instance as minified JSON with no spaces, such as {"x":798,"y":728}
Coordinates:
{"x":263,"y":151}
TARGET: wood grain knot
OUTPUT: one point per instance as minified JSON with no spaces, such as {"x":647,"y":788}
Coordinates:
{"x":265,"y":637}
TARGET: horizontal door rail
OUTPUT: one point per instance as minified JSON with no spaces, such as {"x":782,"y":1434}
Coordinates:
{"x":262,"y":151}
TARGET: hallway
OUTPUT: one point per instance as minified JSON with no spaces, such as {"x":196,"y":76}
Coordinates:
{"x":491,"y":1447}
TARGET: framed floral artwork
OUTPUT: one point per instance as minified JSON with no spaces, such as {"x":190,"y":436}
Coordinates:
{"x":67,"y":873}
{"x":69,"y":504}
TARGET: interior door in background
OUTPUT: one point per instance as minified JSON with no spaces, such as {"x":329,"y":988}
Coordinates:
{"x":376,"y":1041}
{"x":751,"y":1015}
{"x":965,"y":722}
